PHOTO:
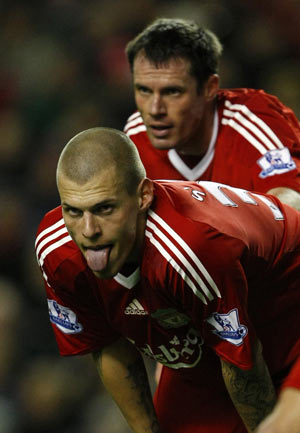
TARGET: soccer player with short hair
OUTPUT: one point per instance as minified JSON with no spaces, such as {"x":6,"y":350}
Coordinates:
{"x":200,"y":276}
{"x":187,"y":128}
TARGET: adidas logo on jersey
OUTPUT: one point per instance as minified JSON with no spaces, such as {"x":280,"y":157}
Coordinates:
{"x":135,"y":308}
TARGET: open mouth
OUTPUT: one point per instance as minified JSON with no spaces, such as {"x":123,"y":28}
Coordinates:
{"x":160,"y":130}
{"x":97,"y":257}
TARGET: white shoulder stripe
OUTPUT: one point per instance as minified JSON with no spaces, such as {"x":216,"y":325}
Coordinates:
{"x":49,"y":229}
{"x":50,"y":238}
{"x":256,"y":131}
{"x":188,"y":250}
{"x":133,"y":116}
{"x":53,"y":247}
{"x":256,"y":120}
{"x":133,"y":123}
{"x":133,"y":131}
{"x":45,"y":277}
{"x":181,"y":258}
{"x":175,"y":265}
{"x":246,"y":134}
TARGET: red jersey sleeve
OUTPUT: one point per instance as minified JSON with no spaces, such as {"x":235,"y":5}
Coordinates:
{"x":203,"y":274}
{"x":77,"y":322}
{"x":75,"y":313}
{"x":227,"y":327}
{"x":223,"y":319}
{"x":258,"y":145}
{"x":220,"y":251}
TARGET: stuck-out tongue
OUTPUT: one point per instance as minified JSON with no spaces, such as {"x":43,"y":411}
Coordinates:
{"x":97,"y":259}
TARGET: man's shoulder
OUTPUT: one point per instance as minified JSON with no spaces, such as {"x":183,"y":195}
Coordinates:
{"x":52,"y":218}
{"x":135,"y":128}
{"x":54,"y":246}
{"x":258,"y":121}
{"x":177,"y":205}
{"x":192,"y":207}
{"x":255,"y":99}
{"x":244,"y":94}
{"x":184,"y":224}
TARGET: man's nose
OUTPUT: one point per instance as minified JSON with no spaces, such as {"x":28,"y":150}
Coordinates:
{"x":157,"y":106}
{"x":91,"y":226}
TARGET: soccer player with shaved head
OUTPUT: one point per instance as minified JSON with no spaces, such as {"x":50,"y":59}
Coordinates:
{"x":199,"y":276}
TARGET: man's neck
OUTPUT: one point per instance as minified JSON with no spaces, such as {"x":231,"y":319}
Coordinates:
{"x":203,"y":138}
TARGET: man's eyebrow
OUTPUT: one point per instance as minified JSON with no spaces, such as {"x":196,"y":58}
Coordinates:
{"x":102,"y":203}
{"x":173,"y":86}
{"x":137,"y":84}
{"x":64,"y":203}
{"x":166,"y":86}
{"x":93,"y":207}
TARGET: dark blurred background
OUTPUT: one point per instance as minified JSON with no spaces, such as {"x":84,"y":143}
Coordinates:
{"x":62,"y":70}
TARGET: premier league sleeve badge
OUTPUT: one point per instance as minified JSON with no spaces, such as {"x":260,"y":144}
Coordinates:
{"x":228,"y":327}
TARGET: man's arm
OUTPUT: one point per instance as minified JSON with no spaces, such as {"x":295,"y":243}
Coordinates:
{"x":123,"y":374}
{"x":285,"y":417}
{"x":287,"y":195}
{"x":252,"y":391}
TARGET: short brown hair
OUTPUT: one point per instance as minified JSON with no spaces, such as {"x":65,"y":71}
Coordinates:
{"x":96,"y":149}
{"x":167,"y":38}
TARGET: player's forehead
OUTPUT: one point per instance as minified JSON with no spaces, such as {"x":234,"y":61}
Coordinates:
{"x":104,"y":186}
{"x":173,"y":69}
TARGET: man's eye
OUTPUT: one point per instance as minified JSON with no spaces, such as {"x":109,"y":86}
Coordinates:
{"x":105,"y":209}
{"x":143,"y":90}
{"x":173,"y":91}
{"x":72,"y":211}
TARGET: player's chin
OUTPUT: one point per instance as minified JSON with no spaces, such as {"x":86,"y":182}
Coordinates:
{"x":162,"y":144}
{"x":105,"y":274}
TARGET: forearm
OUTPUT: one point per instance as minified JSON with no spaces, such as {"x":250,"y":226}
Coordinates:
{"x":123,"y":374}
{"x":251,"y":391}
{"x":285,"y":417}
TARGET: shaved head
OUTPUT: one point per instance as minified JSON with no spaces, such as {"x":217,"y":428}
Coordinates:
{"x":97,"y":149}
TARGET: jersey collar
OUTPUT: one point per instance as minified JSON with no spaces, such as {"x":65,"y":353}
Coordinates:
{"x":129,"y":281}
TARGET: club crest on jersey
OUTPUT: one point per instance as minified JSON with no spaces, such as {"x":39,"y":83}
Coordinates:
{"x":276,"y":161}
{"x":170,"y":318}
{"x":64,"y":318}
{"x":228,"y":327}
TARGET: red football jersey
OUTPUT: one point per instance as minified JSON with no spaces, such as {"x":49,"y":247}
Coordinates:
{"x":255,"y":145}
{"x":219,"y":266}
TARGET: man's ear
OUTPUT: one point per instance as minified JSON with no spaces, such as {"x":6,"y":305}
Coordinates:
{"x":211,"y":87}
{"x":146,"y":193}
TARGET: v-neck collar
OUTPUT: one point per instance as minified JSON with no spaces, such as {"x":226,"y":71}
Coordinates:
{"x":129,"y":281}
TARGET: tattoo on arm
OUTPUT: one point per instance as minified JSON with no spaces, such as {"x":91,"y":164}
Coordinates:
{"x":138,"y":378}
{"x":135,"y":378}
{"x":251,"y":391}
